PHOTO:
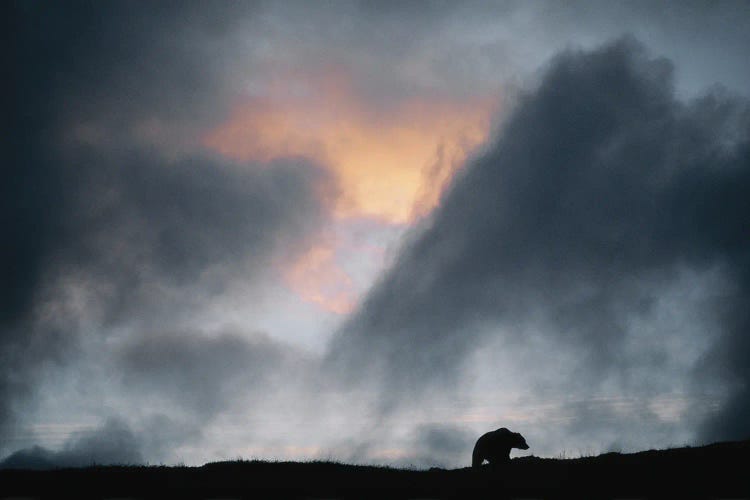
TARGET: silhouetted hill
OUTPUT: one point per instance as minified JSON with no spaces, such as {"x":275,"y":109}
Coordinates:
{"x":718,"y":470}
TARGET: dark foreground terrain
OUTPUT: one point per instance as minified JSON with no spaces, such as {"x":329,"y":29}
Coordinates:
{"x":715,"y":471}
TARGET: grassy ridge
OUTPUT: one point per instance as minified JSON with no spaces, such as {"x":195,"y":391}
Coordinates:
{"x":719,"y":470}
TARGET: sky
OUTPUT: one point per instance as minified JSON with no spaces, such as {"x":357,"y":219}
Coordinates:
{"x":373,"y":231}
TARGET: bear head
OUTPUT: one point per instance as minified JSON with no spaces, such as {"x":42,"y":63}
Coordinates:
{"x":519,"y":441}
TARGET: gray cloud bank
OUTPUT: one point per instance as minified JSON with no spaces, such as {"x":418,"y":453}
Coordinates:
{"x":203,"y":374}
{"x":113,"y":443}
{"x":143,"y":242}
{"x":601,"y":191}
{"x":107,"y":235}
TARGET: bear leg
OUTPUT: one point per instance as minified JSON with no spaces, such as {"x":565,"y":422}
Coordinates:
{"x":476,"y":458}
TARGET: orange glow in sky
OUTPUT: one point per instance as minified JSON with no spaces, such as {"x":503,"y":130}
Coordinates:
{"x":316,"y":277}
{"x":392,"y":160}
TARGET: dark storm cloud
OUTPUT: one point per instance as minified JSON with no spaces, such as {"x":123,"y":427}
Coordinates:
{"x":471,"y":48}
{"x":139,"y":229}
{"x":114,"y":220}
{"x":205,"y":374}
{"x":440,"y":445}
{"x":145,"y":225}
{"x":143,"y":237}
{"x":122,"y":62}
{"x":110,"y":64}
{"x":601,"y":188}
{"x":112,"y":443}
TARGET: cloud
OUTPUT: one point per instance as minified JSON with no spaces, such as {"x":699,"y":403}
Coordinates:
{"x":602,"y":191}
{"x":205,"y":374}
{"x":167,"y":388}
{"x":139,"y":236}
{"x":192,"y":223}
{"x":440,"y":445}
{"x":108,"y":226}
{"x":421,"y":445}
{"x":112,"y":443}
{"x":126,"y":234}
{"x":116,"y":441}
{"x":391,"y":161}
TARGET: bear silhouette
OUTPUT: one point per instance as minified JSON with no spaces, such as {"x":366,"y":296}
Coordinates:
{"x":495,"y":447}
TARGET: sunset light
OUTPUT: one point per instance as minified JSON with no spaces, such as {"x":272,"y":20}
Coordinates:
{"x":316,"y":277}
{"x":391,"y":159}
